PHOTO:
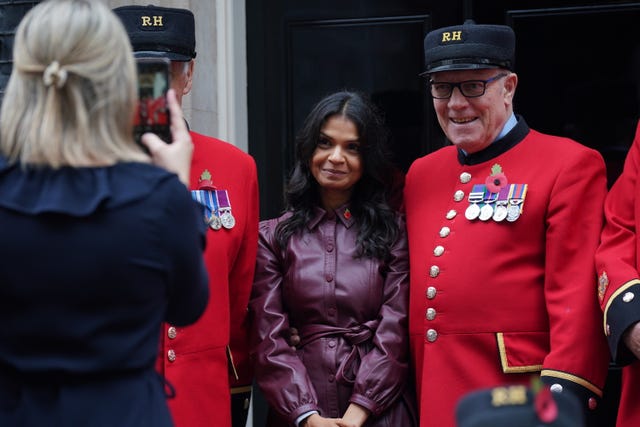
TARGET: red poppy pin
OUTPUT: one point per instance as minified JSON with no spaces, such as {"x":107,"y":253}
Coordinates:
{"x":497,"y":180}
{"x":204,"y":182}
{"x":347,"y":214}
{"x":546,"y":406}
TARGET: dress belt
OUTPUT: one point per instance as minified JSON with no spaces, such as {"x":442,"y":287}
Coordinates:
{"x":357,"y":336}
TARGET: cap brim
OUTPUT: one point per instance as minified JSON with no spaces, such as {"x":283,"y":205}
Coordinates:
{"x":157,"y":54}
{"x":457,"y":67}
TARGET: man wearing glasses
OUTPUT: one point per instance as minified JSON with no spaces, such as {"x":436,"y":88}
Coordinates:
{"x":503,"y":224}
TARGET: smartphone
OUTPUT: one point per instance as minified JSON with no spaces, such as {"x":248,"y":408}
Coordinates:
{"x":152,"y":111}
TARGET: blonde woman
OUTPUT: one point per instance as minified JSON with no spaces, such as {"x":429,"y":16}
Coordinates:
{"x":99,"y":244}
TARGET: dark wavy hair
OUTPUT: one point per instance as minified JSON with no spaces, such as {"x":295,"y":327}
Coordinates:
{"x":378,"y":228}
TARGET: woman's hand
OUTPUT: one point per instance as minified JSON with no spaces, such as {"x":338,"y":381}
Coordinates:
{"x":354,"y":416}
{"x":316,"y":420}
{"x":174,"y":157}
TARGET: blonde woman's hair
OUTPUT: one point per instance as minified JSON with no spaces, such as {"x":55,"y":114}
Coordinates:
{"x":72,"y":92}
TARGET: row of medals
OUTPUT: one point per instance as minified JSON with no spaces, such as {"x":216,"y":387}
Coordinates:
{"x":226,"y":220}
{"x":504,"y":209}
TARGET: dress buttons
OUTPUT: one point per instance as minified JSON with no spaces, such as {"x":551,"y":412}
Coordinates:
{"x":171,"y":332}
{"x":331,"y":378}
{"x":593,"y":403}
{"x":330,"y":247}
{"x":431,"y":292}
{"x":328,"y":277}
{"x":171,"y":355}
{"x":451,"y":214}
{"x":438,"y":250}
{"x":434,"y":271}
{"x":431,"y":313}
{"x":332,"y":343}
{"x":628,"y":297}
{"x":556,"y":388}
{"x":458,"y":195}
{"x":445,"y":231}
{"x":432,"y":335}
{"x":465,"y":177}
{"x":332,"y":311}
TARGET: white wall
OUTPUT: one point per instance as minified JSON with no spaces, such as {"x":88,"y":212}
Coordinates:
{"x":217,"y":104}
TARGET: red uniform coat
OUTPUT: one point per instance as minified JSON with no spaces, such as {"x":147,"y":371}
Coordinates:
{"x":194,"y":359}
{"x":493,"y":302}
{"x":617,"y":261}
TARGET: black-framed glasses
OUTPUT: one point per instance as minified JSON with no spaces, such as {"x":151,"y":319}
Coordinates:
{"x":468,"y":88}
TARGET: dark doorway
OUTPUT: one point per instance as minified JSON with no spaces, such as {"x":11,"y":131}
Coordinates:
{"x":578,"y":63}
{"x":11,"y":12}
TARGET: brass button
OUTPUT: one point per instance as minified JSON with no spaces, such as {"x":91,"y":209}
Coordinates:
{"x":431,"y":313}
{"x":171,"y":332}
{"x":458,"y":195}
{"x":171,"y":355}
{"x":628,"y":297}
{"x":451,"y":214}
{"x":432,"y":335}
{"x":438,"y":250}
{"x":434,"y":271}
{"x":445,"y":231}
{"x":465,"y":177}
{"x":431,"y":292}
{"x":556,"y":388}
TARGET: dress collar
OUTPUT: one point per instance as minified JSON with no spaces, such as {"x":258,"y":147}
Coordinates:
{"x":343,"y":213}
{"x":75,"y":191}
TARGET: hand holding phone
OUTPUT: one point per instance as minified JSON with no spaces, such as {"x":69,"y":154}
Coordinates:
{"x":175,"y":157}
{"x":152,"y":112}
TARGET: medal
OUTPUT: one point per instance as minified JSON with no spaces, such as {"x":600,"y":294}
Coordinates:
{"x":214,"y":222}
{"x":472,"y":212}
{"x":475,"y":196}
{"x":516,"y":202}
{"x":500,"y":211}
{"x":486,"y":212}
{"x":513,"y":212}
{"x":228,"y":221}
{"x":226,"y":217}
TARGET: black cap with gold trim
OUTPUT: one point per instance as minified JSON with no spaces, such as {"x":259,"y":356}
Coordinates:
{"x":517,"y":405}
{"x":155,"y":30}
{"x":469,"y":46}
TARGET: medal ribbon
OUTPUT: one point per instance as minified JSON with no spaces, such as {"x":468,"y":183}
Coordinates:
{"x":477,"y":193}
{"x":223,"y":200}
{"x":503,"y":195}
{"x":214,"y":203}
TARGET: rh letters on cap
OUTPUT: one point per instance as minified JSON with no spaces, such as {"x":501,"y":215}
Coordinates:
{"x":152,"y":21}
{"x":451,"y":36}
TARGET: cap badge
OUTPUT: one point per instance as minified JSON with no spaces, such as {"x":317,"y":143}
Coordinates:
{"x":603,"y":282}
{"x":507,"y":396}
{"x":152,"y":21}
{"x":451,"y":36}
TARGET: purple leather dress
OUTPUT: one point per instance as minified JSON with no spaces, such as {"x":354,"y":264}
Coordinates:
{"x":352,"y":317}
